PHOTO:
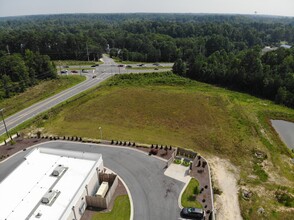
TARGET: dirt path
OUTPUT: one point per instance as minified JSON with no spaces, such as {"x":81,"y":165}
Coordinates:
{"x":225,"y":176}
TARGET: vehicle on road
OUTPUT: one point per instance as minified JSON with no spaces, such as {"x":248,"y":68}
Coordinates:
{"x":74,"y":71}
{"x":142,"y":65}
{"x":94,"y":76}
{"x":120,"y":65}
{"x":129,"y":66}
{"x":63,"y":71}
{"x":193,"y":213}
{"x":95,"y":65}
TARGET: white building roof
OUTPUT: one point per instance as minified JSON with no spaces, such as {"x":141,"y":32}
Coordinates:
{"x":22,"y":191}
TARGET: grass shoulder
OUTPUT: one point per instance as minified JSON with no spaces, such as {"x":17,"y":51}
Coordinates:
{"x":121,"y":210}
{"x":189,"y":197}
{"x":39,"y":92}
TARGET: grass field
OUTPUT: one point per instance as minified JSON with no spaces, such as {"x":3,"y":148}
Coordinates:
{"x":121,"y":210}
{"x":162,"y":108}
{"x":188,"y":197}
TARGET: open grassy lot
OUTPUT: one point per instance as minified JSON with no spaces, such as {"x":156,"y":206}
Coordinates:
{"x":121,"y":210}
{"x":39,"y":92}
{"x":162,"y":108}
{"x":190,"y":193}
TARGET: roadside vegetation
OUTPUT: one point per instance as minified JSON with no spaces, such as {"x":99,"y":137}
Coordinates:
{"x":37,"y":93}
{"x":190,"y":194}
{"x":121,"y":210}
{"x":166,"y":109}
{"x":75,"y":62}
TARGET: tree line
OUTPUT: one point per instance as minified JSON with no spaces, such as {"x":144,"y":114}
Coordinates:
{"x":219,"y":49}
{"x":18,"y":72}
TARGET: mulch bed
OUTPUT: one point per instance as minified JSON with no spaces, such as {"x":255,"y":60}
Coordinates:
{"x":20,"y":144}
{"x":202,"y":175}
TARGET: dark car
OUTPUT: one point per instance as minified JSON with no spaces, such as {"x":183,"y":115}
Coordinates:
{"x":193,"y":213}
{"x":95,"y":65}
{"x":74,"y":71}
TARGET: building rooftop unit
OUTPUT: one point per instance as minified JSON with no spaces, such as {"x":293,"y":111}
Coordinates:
{"x":45,"y":185}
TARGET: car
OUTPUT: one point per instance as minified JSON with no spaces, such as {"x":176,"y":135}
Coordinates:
{"x":85,"y":71}
{"x":193,"y":213}
{"x":63,"y":71}
{"x":94,"y":76}
{"x":156,"y":64}
{"x":95,"y":65}
{"x":74,"y":71}
{"x":142,"y":65}
{"x":120,"y":65}
{"x":129,"y":66}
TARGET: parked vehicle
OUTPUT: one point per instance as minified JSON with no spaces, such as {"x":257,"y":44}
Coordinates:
{"x":193,"y":213}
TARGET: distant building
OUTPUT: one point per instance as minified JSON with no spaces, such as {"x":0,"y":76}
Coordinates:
{"x":50,"y":184}
{"x":268,"y":49}
{"x":285,"y":46}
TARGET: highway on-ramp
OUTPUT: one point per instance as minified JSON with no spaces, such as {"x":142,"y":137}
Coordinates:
{"x":154,"y":195}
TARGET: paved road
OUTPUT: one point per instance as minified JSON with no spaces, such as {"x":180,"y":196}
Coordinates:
{"x":44,"y":105}
{"x":155,"y":196}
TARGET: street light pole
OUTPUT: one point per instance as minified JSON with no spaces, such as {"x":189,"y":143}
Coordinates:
{"x":1,"y":110}
{"x":100,"y":128}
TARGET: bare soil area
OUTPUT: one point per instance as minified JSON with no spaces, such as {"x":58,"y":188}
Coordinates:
{"x":225,"y":176}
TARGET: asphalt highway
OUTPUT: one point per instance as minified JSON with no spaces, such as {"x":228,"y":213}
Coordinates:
{"x":154,"y":195}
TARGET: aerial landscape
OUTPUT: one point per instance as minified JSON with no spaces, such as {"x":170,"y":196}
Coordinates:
{"x":137,"y":110}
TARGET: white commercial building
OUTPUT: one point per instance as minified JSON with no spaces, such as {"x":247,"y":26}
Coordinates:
{"x":50,"y":184}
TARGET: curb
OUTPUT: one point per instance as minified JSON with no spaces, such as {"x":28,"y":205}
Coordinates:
{"x":213,"y":210}
{"x":129,"y":194}
{"x":180,"y":196}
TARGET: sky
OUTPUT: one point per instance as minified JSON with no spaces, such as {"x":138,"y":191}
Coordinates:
{"x":33,"y":7}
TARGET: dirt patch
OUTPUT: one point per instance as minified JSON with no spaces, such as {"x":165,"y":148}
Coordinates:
{"x":225,"y":176}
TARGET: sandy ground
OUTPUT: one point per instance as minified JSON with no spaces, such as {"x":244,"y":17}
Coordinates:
{"x":225,"y":176}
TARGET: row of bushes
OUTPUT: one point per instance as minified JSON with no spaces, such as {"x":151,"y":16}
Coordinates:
{"x":2,"y":157}
{"x":73,"y":138}
{"x":161,"y":147}
{"x":123,"y":143}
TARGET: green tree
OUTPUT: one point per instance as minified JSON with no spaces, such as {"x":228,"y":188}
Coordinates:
{"x":179,"y":67}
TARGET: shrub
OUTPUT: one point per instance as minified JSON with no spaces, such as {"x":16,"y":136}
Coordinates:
{"x":177,"y":161}
{"x":156,"y":147}
{"x":153,"y":152}
{"x":134,"y":144}
{"x":39,"y":134}
{"x":285,"y":198}
{"x":152,"y":146}
{"x":111,"y":142}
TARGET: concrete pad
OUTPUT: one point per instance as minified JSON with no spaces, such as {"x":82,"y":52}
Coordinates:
{"x":178,"y":172}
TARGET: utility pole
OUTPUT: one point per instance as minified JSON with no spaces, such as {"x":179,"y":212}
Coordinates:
{"x":87,"y":51}
{"x":100,"y":128}
{"x":1,"y":110}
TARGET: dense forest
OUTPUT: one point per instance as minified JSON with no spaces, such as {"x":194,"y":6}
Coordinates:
{"x":219,"y":49}
{"x":18,"y":72}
